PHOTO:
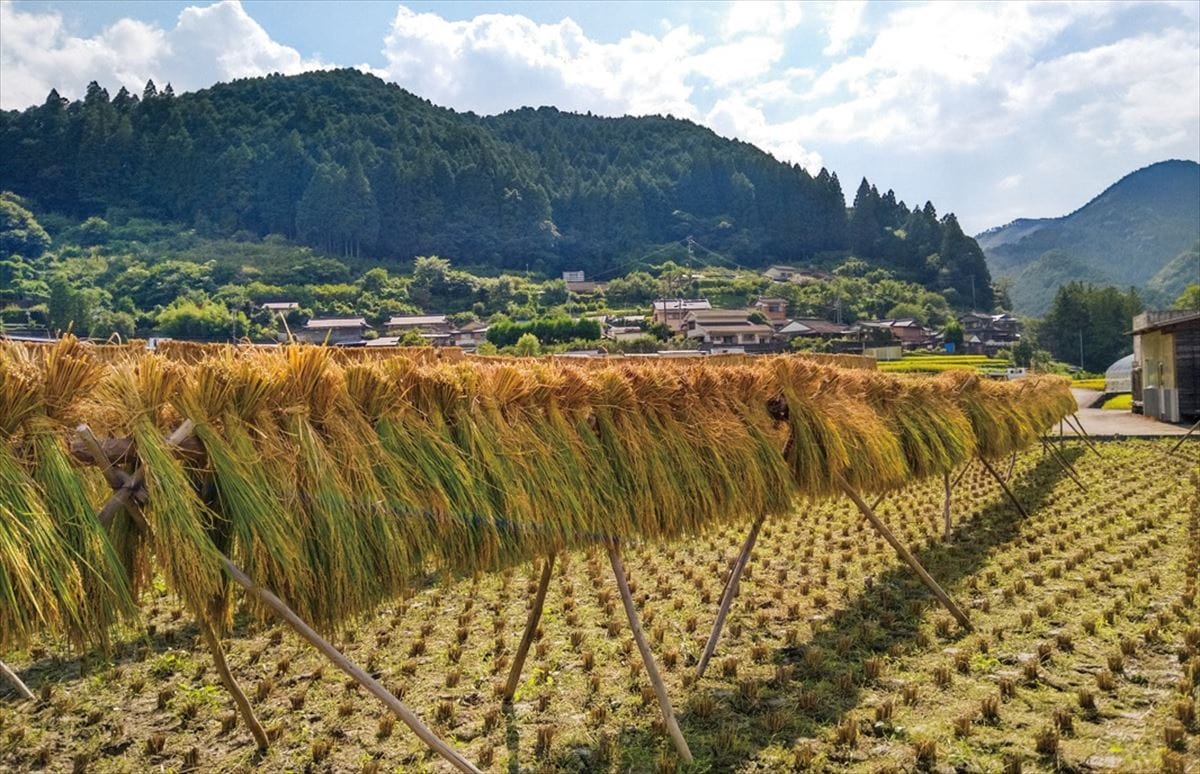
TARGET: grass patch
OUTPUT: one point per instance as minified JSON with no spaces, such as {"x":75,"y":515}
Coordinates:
{"x":1122,"y":402}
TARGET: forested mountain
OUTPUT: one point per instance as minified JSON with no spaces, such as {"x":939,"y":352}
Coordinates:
{"x":1140,"y":232}
{"x":349,"y":164}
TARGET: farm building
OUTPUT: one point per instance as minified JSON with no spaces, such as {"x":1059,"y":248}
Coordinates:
{"x":813,"y":327}
{"x":334,"y":330}
{"x":774,"y":309}
{"x":1119,"y":376}
{"x":672,"y":311}
{"x":423,"y":323}
{"x":1166,"y":364}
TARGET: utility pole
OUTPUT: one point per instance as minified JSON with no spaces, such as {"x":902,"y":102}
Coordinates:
{"x":1080,"y":350}
{"x":974,"y":304}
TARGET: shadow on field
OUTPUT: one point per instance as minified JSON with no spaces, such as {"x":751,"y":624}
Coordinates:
{"x":829,"y":671}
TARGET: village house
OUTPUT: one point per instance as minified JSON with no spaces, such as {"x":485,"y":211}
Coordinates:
{"x":333,"y":330}
{"x":986,"y":334}
{"x":726,"y":327}
{"x":795,"y":276}
{"x":772,"y":308}
{"x":672,"y":311}
{"x":813,"y":328}
{"x":1166,"y":365}
{"x":470,"y":335}
{"x":623,"y":328}
{"x":276,"y":307}
{"x":577,"y":283}
{"x":429,"y":323}
{"x":906,"y":332}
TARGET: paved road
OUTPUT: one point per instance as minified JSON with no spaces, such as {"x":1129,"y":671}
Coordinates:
{"x":1112,"y":422}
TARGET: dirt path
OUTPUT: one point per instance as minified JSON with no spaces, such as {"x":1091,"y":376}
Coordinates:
{"x":1111,"y":422}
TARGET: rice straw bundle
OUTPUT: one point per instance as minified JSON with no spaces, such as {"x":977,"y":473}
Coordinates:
{"x":336,"y":479}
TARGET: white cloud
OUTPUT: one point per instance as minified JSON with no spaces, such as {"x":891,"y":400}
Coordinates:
{"x":844,"y":24}
{"x":759,"y":17}
{"x":736,"y":118}
{"x":207,"y":44}
{"x":933,"y":94}
{"x":496,"y":62}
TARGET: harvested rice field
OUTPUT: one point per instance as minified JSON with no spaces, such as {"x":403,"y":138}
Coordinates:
{"x":1084,"y":654}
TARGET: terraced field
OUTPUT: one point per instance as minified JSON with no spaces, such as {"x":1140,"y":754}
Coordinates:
{"x":1085,"y":652}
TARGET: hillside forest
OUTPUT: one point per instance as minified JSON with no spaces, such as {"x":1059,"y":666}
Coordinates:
{"x":179,"y":215}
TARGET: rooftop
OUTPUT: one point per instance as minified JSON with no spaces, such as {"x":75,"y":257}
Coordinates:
{"x":813,"y":325}
{"x":417,"y":319}
{"x":683,"y":304}
{"x":1164,"y":320}
{"x":336,"y":322}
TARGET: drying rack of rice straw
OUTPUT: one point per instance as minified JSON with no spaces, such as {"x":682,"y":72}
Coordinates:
{"x":858,"y":432}
{"x":323,"y":485}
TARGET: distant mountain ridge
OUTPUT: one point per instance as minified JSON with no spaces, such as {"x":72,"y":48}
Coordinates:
{"x":1141,"y":231}
{"x":349,"y":164}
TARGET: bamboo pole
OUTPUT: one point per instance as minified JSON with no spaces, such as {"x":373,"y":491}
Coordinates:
{"x":1087,"y":437}
{"x":905,"y":554}
{"x":1004,"y":486}
{"x":963,"y":472}
{"x":1065,"y":464}
{"x":946,"y":505}
{"x":125,"y":496}
{"x":664,"y":701}
{"x":16,"y":681}
{"x":731,"y":590}
{"x":346,"y":665}
{"x":1186,"y":435}
{"x":535,"y":615}
{"x":231,"y":685}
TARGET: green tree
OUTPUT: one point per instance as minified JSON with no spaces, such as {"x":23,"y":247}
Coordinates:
{"x":1189,"y":299}
{"x":20,"y":233}
{"x":953,"y":334}
{"x":527,"y":346}
{"x":554,"y":293}
{"x":69,"y":308}
{"x":201,"y":320}
{"x":1089,"y":323}
{"x":633,"y":289}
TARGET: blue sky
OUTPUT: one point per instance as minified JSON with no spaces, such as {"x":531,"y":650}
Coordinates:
{"x":993,"y":111}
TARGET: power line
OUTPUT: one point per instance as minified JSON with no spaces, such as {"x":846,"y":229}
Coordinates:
{"x":633,"y":261}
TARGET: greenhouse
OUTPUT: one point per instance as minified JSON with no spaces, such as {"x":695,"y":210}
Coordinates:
{"x":1118,"y":377}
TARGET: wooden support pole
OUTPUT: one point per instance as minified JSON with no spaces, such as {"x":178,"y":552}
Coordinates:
{"x":535,"y":615}
{"x":946,"y":506}
{"x":346,"y":665}
{"x":124,"y":497}
{"x":664,"y":701}
{"x":962,"y":472}
{"x":133,"y":496}
{"x":906,"y":555}
{"x":1083,"y":433}
{"x":1004,"y":486}
{"x":1186,"y":435}
{"x":15,"y":681}
{"x":1065,"y":464}
{"x":731,"y":590}
{"x":231,"y":684}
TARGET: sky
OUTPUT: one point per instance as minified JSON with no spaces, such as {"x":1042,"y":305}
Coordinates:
{"x":993,"y":111}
